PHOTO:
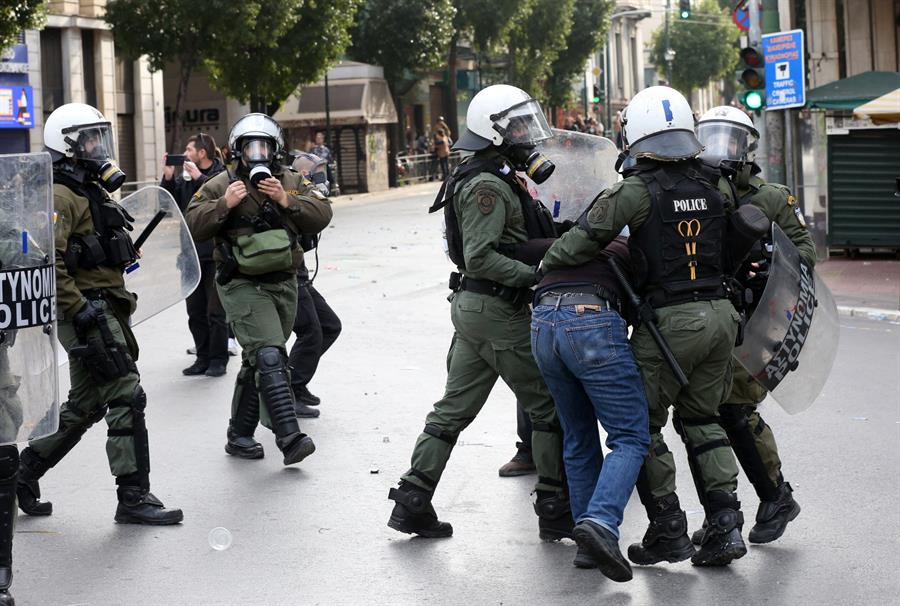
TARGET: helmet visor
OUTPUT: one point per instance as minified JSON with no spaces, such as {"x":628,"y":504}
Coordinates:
{"x":725,"y":142}
{"x":257,"y":150}
{"x":91,"y":141}
{"x":522,"y":123}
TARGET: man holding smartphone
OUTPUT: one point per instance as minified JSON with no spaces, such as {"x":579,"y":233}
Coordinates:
{"x":182,"y":176}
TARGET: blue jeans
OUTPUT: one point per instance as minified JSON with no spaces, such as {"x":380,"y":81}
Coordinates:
{"x":587,"y":363}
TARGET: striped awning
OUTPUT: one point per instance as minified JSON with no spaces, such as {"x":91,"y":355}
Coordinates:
{"x":881,"y":110}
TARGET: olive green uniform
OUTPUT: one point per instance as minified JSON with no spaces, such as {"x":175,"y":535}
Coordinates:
{"x":701,"y":335}
{"x":120,"y":401}
{"x":492,"y":338}
{"x":260,"y":309}
{"x":781,"y":208}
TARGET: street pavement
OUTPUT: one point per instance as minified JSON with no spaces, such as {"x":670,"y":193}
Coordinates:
{"x":315,"y":533}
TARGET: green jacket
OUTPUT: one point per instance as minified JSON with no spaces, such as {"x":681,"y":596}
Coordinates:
{"x":73,"y":217}
{"x":490,"y":214}
{"x":781,"y":208}
{"x":208,"y":217}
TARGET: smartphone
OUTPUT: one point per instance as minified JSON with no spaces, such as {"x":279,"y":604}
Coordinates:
{"x":174,"y":159}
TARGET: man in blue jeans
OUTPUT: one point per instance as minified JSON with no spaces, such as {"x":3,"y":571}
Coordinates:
{"x":580,"y":343}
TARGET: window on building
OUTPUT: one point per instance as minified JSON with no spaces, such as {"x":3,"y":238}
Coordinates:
{"x":635,"y":74}
{"x":51,"y":70}
{"x":90,"y":79}
{"x":620,"y":66}
{"x":125,"y":117}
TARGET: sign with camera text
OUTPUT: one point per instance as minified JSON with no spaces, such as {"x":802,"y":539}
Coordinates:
{"x":785,"y":69}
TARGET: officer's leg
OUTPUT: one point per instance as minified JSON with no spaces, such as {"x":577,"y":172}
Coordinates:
{"x":83,"y":408}
{"x":470,"y":378}
{"x":328,"y":320}
{"x":9,"y":465}
{"x":304,"y":354}
{"x":666,"y":537}
{"x":756,"y":451}
{"x":215,"y":316}
{"x":522,"y":462}
{"x":244,"y":417}
{"x":519,"y":370}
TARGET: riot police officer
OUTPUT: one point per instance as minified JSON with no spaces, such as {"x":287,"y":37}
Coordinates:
{"x":256,"y":216}
{"x":729,"y":139}
{"x":93,"y":248}
{"x":677,"y":220}
{"x":490,"y":220}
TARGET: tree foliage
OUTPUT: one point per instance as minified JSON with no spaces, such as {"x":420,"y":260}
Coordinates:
{"x":590,"y":22}
{"x":704,"y":47}
{"x":19,"y":15}
{"x":536,"y":38}
{"x":486,"y":24}
{"x":283,"y":44}
{"x":403,"y":36}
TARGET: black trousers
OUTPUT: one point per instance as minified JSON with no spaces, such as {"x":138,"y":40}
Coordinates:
{"x":523,"y":428}
{"x":317,"y":327}
{"x":206,"y":317}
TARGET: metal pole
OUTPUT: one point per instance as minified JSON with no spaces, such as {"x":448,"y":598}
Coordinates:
{"x":606,"y":99}
{"x":586,"y":113}
{"x":754,"y":37}
{"x":668,"y":62}
{"x":775,"y":119}
{"x":327,"y":117}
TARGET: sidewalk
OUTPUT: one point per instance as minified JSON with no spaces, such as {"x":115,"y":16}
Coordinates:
{"x":864,"y":287}
{"x":429,"y":189}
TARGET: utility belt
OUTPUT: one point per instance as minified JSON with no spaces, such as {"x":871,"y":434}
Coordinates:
{"x":659,"y":297}
{"x":580,"y":295}
{"x":270,"y":278}
{"x":511,"y":294}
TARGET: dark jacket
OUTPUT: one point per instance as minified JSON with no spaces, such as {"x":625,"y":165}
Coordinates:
{"x":183,"y":191}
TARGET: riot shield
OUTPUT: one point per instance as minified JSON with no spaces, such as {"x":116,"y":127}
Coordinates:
{"x":168,"y":270}
{"x":29,"y":388}
{"x":585,"y":166}
{"x":791,"y":339}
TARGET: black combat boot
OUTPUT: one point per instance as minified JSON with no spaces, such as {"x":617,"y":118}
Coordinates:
{"x":772,"y":517}
{"x":6,"y":598}
{"x":244,"y":447}
{"x":584,"y":559}
{"x":666,"y":537}
{"x":137,"y":505}
{"x":32,"y":468}
{"x":603,"y":545}
{"x":295,"y":447}
{"x":554,"y":516}
{"x":722,"y":540}
{"x":697,"y":537}
{"x":414,"y":514}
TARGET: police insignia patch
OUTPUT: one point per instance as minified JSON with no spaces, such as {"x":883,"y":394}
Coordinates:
{"x":599,"y":211}
{"x":486,"y":199}
{"x":799,"y":214}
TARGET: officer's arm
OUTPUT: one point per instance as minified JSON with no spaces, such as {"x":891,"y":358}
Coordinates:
{"x":68,"y":298}
{"x":309,"y":210}
{"x":207,"y":211}
{"x":625,"y":203}
{"x":781,"y":207}
{"x":482,"y":218}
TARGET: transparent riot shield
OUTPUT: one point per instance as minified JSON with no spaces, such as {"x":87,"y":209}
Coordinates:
{"x":168,"y":270}
{"x":585,"y":166}
{"x":29,"y":388}
{"x":791,"y":339}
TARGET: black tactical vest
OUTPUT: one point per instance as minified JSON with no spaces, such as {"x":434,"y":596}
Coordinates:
{"x":678,"y":252}
{"x":110,"y":244}
{"x":538,"y":220}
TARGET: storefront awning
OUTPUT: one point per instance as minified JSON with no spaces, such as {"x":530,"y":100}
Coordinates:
{"x":852,"y":92}
{"x":350,"y":101}
{"x":883,"y":110}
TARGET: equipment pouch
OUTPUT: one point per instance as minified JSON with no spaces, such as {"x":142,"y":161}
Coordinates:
{"x":264,"y":252}
{"x":104,"y":364}
{"x":228,"y":266}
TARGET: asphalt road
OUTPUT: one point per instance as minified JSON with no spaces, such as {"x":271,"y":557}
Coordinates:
{"x":316,"y":533}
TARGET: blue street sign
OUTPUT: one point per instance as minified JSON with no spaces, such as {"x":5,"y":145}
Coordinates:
{"x":785,"y":69}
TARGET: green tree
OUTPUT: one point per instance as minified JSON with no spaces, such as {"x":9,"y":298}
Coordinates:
{"x":537,"y":36}
{"x":704,"y":46}
{"x":590,"y":22}
{"x":167,"y":30}
{"x":405,"y":37}
{"x":19,"y":15}
{"x":284,"y":44}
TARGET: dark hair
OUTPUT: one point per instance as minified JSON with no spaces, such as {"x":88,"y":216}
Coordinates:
{"x":204,"y":142}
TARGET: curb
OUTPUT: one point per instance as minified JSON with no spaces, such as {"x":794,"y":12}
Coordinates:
{"x":871,"y":313}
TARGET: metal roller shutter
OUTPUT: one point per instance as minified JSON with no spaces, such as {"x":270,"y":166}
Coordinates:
{"x":862,"y":170}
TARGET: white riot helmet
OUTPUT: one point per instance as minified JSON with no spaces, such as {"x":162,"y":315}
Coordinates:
{"x":81,"y":133}
{"x":502,"y":114}
{"x":658,"y":123}
{"x":258,"y":142}
{"x":727,"y":135}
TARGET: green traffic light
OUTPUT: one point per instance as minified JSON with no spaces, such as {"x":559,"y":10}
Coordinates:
{"x":753,"y":99}
{"x":596,"y":99}
{"x":685,"y":14}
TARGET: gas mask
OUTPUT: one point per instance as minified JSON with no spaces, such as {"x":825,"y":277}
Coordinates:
{"x":91,"y":151}
{"x":257,"y":155}
{"x":524,"y":158}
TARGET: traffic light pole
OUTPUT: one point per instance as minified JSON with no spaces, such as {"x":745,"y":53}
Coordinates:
{"x":774,"y":119}
{"x":754,"y":40}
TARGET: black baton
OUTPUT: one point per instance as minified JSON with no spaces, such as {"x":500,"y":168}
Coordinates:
{"x":647,"y":316}
{"x":157,"y":218}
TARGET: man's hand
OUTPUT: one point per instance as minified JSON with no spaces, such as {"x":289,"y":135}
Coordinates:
{"x":192,"y":169}
{"x":168,"y":171}
{"x":235,"y":193}
{"x":273,"y":189}
{"x":86,"y":318}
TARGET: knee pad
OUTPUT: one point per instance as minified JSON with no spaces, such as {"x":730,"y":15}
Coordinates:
{"x":275,"y":390}
{"x":137,"y":402}
{"x":436,"y":432}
